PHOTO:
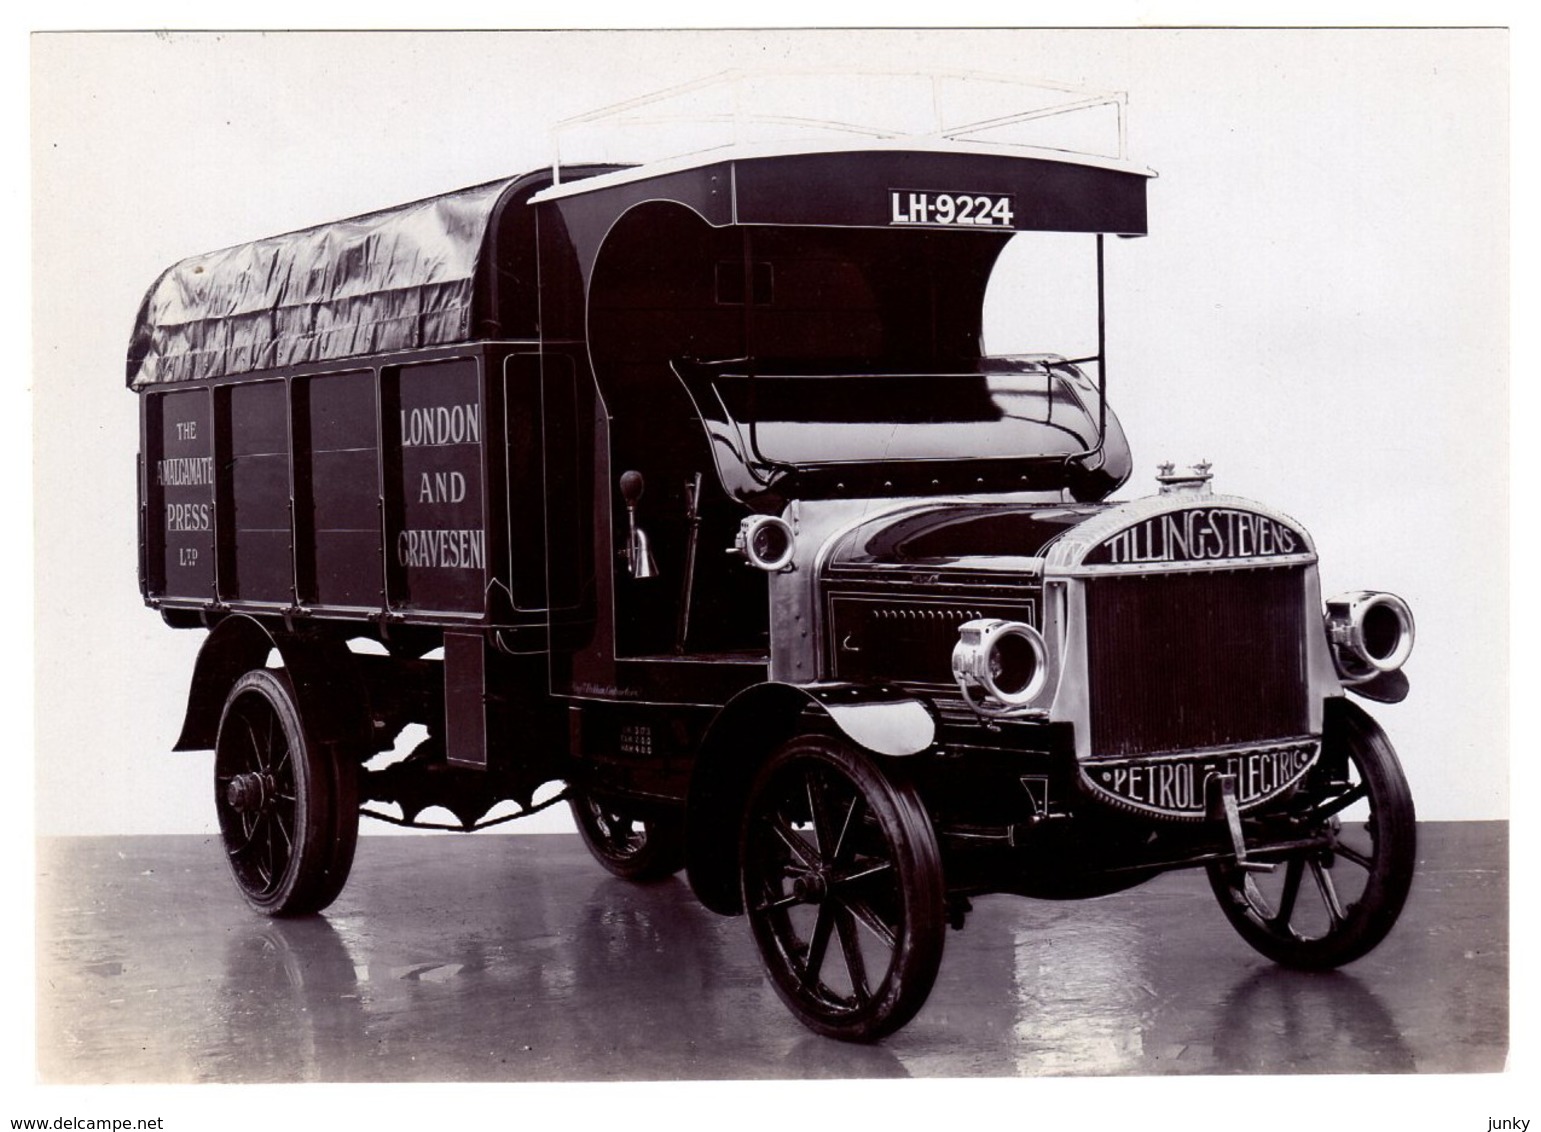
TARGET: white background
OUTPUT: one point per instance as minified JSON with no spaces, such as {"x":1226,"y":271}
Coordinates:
{"x":1320,"y":309}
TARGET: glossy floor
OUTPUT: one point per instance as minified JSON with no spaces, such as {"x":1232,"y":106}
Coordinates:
{"x":516,"y":958}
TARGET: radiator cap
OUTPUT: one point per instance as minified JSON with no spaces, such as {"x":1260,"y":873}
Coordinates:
{"x":1195,"y":481}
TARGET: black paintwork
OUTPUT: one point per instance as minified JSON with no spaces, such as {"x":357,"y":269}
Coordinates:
{"x":940,"y":535}
{"x":705,"y":324}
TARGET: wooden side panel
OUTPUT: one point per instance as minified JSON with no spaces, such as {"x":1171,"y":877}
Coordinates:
{"x":436,"y":523}
{"x":179,"y":495}
{"x":337,"y":480}
{"x":378,"y":492}
{"x":258,"y":547}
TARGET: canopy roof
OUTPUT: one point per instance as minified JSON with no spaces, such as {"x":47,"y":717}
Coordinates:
{"x":401,"y":278}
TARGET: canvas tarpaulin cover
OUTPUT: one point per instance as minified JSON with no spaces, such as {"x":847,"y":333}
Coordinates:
{"x":397,"y":279}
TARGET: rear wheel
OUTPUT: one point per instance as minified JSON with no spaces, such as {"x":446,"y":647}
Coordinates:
{"x":1334,"y":901}
{"x":629,"y":847}
{"x":842,"y":883}
{"x":288,"y":810}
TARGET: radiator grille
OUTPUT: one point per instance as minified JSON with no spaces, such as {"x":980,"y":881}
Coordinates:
{"x":1189,"y":660}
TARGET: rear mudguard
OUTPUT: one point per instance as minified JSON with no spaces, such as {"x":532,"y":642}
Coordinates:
{"x":883,"y":721}
{"x":327,"y":685}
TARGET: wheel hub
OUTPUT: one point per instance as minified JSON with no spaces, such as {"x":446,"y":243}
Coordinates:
{"x":248,"y":792}
{"x":812,"y":888}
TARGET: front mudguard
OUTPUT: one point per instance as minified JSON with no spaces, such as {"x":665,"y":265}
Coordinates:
{"x":881,"y":720}
{"x":1383,"y":688}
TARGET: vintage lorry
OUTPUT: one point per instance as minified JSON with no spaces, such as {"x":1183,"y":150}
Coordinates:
{"x":688,"y":487}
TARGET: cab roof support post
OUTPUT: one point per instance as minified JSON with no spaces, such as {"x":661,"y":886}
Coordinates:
{"x":1102,"y":358}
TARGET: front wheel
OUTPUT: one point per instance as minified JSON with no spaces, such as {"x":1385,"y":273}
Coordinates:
{"x":1333,"y":901}
{"x":288,"y":810}
{"x":842,"y":883}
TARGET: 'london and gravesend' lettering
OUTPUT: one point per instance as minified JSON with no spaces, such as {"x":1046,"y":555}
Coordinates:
{"x":447,"y":550}
{"x":1199,"y":534}
{"x":438,"y":425}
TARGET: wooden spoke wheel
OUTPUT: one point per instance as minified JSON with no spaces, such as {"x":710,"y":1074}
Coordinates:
{"x":629,"y":847}
{"x":288,"y":813}
{"x":842,"y":883}
{"x":1334,"y":901}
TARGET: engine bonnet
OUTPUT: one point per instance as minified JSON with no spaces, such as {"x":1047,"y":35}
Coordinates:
{"x":1161,"y":532}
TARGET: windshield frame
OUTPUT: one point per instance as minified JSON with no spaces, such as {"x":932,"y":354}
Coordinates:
{"x":749,"y":473}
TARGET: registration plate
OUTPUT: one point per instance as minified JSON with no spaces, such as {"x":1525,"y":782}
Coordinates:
{"x":927,"y":208}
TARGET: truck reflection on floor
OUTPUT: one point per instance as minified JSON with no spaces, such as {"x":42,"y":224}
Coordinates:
{"x":289,"y":1006}
{"x":1307,"y":1022}
{"x":515,"y":958}
{"x":295,"y":1006}
{"x":531,"y":998}
{"x":1100,"y":993}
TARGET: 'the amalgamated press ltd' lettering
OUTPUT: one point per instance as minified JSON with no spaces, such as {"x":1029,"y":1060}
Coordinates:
{"x":1199,"y":534}
{"x":189,"y":516}
{"x":187,"y":471}
{"x":184,"y":471}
